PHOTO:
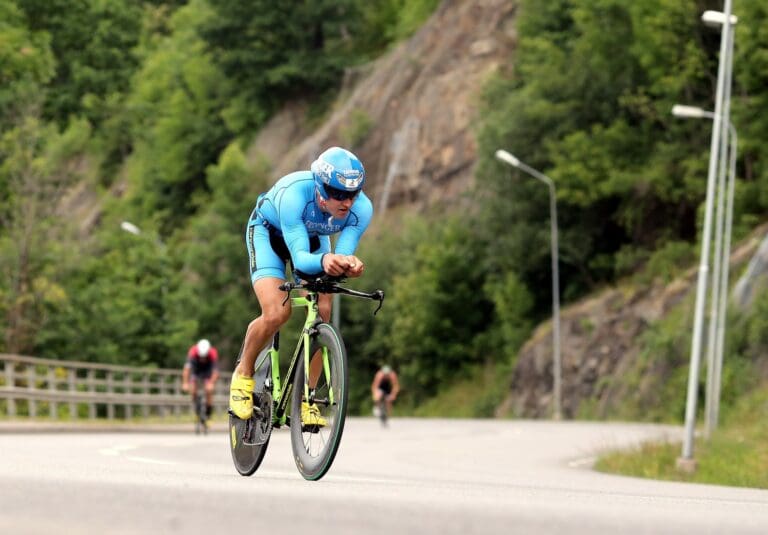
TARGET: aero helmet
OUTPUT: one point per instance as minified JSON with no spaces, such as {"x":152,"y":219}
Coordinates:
{"x":338,"y":173}
{"x":203,"y":346}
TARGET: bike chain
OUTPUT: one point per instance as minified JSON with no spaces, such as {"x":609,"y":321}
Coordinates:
{"x":253,"y":436}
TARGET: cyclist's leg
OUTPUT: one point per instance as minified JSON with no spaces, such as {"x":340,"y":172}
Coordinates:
{"x":209,"y":387}
{"x":193,"y":388}
{"x":324,"y":302}
{"x":388,"y":400}
{"x":267,"y":273}
{"x":261,"y":330}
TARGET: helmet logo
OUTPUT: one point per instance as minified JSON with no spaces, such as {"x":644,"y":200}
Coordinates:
{"x":350,"y":179}
{"x":325,"y":169}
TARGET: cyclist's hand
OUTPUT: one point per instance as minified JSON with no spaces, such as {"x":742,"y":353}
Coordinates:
{"x":185,"y":387}
{"x":355,"y":268}
{"x":335,"y":264}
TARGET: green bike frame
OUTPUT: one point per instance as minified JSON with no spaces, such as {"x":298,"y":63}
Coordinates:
{"x":280,"y":396}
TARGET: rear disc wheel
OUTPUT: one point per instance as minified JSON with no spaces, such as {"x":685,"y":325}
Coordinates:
{"x":248,"y":439}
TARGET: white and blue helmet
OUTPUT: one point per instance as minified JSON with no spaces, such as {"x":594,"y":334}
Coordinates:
{"x":338,"y":174}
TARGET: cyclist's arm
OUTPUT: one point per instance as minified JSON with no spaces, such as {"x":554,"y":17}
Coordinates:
{"x":395,"y":386}
{"x":359,"y":219}
{"x":375,"y":384}
{"x":215,"y":366}
{"x":185,"y":375}
{"x":295,"y":234}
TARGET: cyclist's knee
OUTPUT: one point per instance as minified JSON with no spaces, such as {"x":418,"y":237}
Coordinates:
{"x":271,"y":319}
{"x":324,"y":305}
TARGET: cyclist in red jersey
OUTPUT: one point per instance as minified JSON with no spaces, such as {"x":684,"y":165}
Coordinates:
{"x":202,"y":366}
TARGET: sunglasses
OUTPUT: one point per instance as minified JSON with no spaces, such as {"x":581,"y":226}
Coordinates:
{"x":340,"y":194}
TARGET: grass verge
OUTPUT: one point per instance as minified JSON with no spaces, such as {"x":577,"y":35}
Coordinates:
{"x":736,"y":454}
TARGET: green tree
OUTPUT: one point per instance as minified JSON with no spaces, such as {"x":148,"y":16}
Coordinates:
{"x":37,"y":164}
{"x":588,"y":104}
{"x":177,"y":125}
{"x":27,"y":65}
{"x":440,"y":309}
{"x":276,"y":50}
{"x":117,"y":303}
{"x":217,"y":290}
{"x":93,"y":42}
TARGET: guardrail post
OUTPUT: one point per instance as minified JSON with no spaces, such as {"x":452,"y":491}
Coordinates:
{"x":177,"y":408}
{"x":72,"y":389}
{"x":162,"y":382}
{"x":31,"y":403}
{"x":127,"y":389}
{"x":10,"y":382}
{"x":91,"y":387}
{"x":110,"y":391}
{"x":146,"y":387}
{"x":53,"y":407}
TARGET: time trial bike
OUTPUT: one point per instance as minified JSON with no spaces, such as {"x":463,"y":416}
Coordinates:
{"x":317,"y":377}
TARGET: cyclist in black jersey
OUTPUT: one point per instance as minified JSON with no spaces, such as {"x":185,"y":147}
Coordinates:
{"x":385,"y":386}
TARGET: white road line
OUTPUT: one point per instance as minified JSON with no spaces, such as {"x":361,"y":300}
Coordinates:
{"x":147,"y":460}
{"x":584,"y":461}
{"x":114,"y":451}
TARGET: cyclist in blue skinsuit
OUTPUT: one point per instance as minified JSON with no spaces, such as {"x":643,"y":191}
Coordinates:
{"x":293,"y":222}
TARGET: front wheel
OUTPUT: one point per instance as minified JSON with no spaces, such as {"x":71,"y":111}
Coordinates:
{"x":382,"y":410}
{"x":315,"y":440}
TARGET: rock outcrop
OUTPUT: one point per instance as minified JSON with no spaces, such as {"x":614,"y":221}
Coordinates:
{"x":409,"y":115}
{"x":599,"y":345}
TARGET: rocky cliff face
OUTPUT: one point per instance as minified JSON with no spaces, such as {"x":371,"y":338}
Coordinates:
{"x":599,"y":341}
{"x":409,"y":115}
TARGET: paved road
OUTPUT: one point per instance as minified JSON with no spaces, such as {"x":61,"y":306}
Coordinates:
{"x":417,"y":476}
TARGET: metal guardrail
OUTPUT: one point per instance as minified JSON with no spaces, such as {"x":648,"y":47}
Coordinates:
{"x":59,"y":389}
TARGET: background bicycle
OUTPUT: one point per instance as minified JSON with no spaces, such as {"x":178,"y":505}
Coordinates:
{"x":201,"y":412}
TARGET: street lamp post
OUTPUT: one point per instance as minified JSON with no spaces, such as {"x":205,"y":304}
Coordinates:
{"x":686,"y":461}
{"x":717,"y":19}
{"x":716,"y":339}
{"x":720,"y":340}
{"x":508,"y":158}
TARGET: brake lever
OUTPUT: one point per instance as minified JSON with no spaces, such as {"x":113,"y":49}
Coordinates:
{"x":287,"y":286}
{"x":380,"y":299}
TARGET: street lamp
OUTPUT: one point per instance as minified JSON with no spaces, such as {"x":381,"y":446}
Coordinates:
{"x":136,"y":231}
{"x":508,"y":158}
{"x":686,"y":461}
{"x":715,"y":19}
{"x":130,"y":227}
{"x":716,"y":339}
{"x":718,"y":20}
{"x":714,"y":320}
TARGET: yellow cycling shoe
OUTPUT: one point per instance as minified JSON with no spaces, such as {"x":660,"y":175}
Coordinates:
{"x":241,"y":396}
{"x":310,"y":415}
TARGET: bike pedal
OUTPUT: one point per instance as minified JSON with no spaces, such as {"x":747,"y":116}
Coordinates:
{"x":232,"y":413}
